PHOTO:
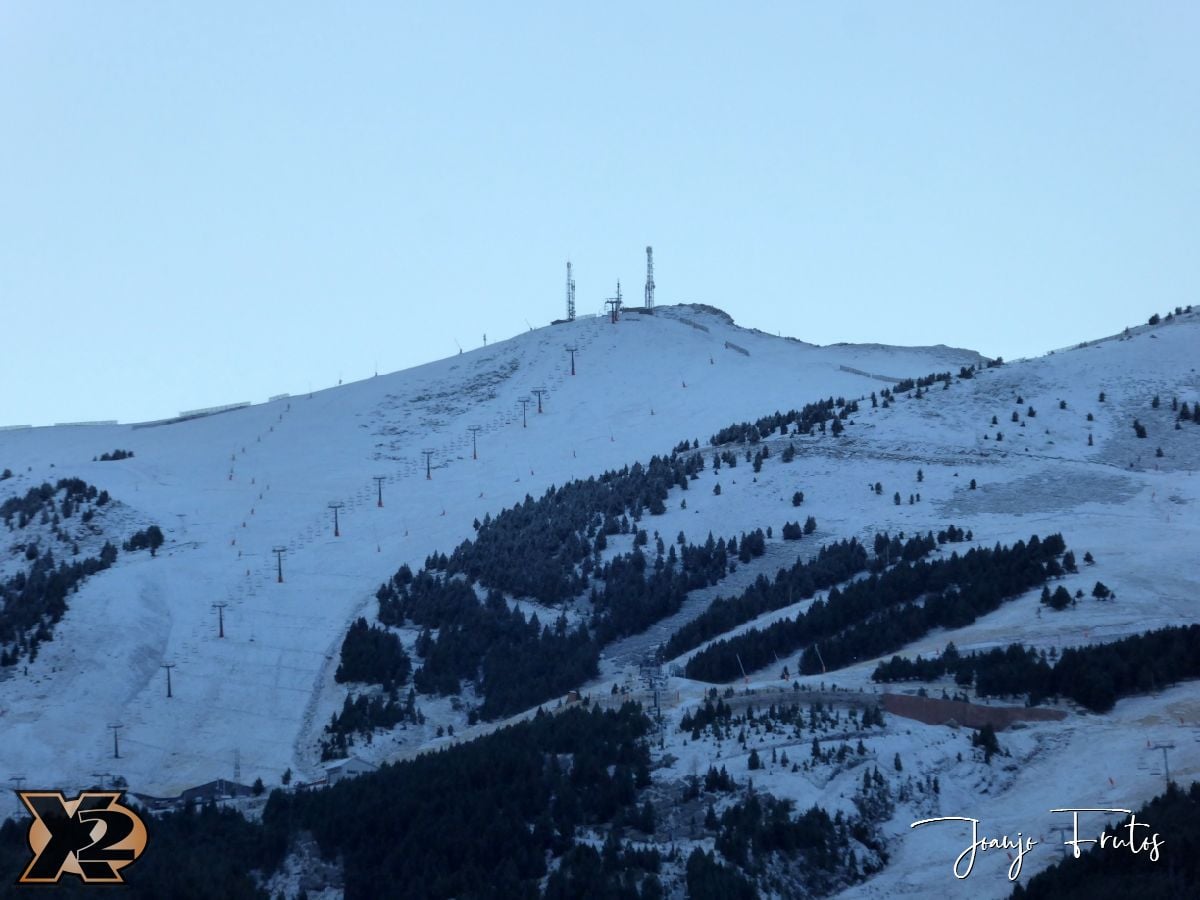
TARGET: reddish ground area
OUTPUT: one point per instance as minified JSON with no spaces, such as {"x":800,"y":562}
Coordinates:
{"x":933,"y":711}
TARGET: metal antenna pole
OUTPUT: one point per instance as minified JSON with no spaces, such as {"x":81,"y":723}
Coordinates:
{"x":168,"y":667}
{"x":220,"y":608}
{"x":116,"y":743}
{"x":540,"y":392}
{"x":572,"y":351}
{"x":570,"y":294}
{"x":428,"y":464}
{"x":524,"y":401}
{"x":474,"y":429}
{"x":649,"y":278}
{"x":335,"y":506}
{"x":379,"y":485}
{"x":279,"y":551}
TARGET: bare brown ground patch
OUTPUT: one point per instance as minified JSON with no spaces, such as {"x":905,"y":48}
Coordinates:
{"x":934,"y":711}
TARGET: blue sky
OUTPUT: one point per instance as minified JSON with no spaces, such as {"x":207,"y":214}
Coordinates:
{"x":208,"y":203}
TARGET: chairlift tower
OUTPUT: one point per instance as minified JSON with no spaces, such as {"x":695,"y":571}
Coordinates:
{"x":572,"y":351}
{"x":474,"y":429}
{"x":614,"y":305}
{"x":428,"y":464}
{"x":116,"y":744}
{"x":335,"y":505}
{"x":524,"y":401}
{"x":541,"y":392}
{"x":279,"y":551}
{"x":379,"y":479}
{"x":1164,"y":746}
{"x":220,"y":608}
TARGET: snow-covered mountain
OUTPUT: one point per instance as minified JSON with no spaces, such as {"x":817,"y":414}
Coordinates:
{"x":230,"y":488}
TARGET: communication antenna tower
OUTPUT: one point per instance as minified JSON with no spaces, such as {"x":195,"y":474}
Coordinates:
{"x":570,"y":294}
{"x":649,"y":278}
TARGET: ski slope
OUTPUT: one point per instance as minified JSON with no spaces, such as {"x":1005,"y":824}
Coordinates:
{"x":228,"y":488}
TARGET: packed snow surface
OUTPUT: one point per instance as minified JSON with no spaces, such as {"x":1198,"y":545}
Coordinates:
{"x":230,"y":488}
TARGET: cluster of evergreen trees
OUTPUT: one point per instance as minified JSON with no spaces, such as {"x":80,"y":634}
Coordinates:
{"x":1095,"y":676}
{"x":481,"y":818}
{"x":484,"y":819}
{"x":709,"y":879}
{"x":881,"y":613}
{"x":761,"y":827}
{"x":794,"y":531}
{"x":533,"y":549}
{"x":516,"y":663}
{"x":34,"y":599}
{"x":615,"y":872}
{"x":115,"y":456}
{"x":374,"y":655}
{"x":194,"y":853}
{"x":364,"y":713}
{"x":1108,"y":874}
{"x":42,"y":502}
{"x":145,"y":539}
{"x":833,"y":563}
{"x":925,"y":381}
{"x":802,"y":421}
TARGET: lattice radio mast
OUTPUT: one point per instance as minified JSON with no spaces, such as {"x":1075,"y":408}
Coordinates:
{"x":649,"y":278}
{"x":570,"y":294}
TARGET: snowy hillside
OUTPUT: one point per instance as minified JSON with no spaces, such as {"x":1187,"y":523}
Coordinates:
{"x":228,"y":489}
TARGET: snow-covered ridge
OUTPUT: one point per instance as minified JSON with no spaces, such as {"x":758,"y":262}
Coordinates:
{"x":228,"y":489}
